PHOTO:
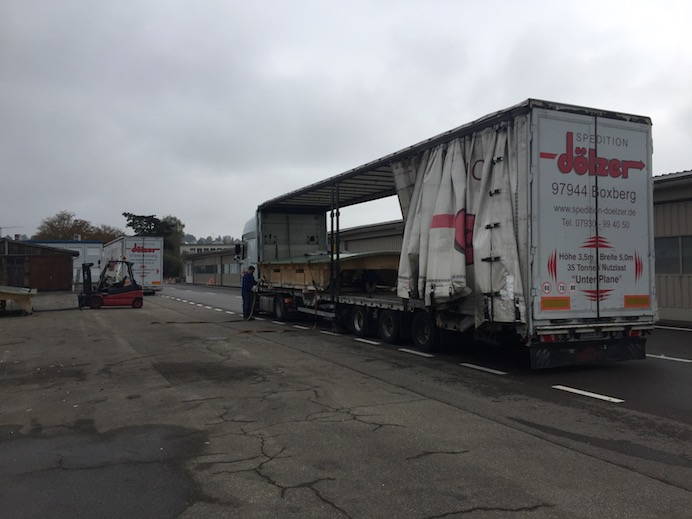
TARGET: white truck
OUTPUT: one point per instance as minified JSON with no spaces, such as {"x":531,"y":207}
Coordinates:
{"x":146,"y":254}
{"x":531,"y":226}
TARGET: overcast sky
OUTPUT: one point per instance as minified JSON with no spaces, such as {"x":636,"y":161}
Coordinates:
{"x":205,"y":109}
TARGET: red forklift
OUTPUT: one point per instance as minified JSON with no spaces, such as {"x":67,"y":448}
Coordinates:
{"x":116,"y":287}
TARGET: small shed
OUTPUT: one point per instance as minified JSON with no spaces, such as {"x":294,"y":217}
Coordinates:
{"x":35,"y":266}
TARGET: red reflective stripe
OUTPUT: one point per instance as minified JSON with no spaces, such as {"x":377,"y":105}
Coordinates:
{"x":442,"y":221}
{"x":548,"y":155}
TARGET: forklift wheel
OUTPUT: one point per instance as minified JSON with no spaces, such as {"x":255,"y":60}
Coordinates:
{"x":95,"y":302}
{"x":137,"y":303}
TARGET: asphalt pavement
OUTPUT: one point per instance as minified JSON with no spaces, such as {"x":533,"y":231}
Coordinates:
{"x":182,"y":409}
{"x":661,"y":385}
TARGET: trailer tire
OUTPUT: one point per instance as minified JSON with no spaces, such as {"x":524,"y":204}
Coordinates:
{"x":95,"y":302}
{"x":389,"y":326}
{"x":137,"y":302}
{"x":424,"y":333}
{"x":280,"y":311}
{"x":360,"y":321}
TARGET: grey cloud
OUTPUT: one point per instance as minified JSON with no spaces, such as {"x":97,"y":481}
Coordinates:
{"x":203,"y":110}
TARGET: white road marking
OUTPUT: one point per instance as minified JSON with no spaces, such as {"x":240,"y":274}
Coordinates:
{"x":483,"y":368}
{"x":588,"y":393}
{"x":184,"y":300}
{"x":207,"y":307}
{"x":665,"y":357}
{"x":229,"y":312}
{"x":366,"y":341}
{"x":218,"y":310}
{"x":177,"y":298}
{"x":419,"y":353}
{"x":329,"y":333}
{"x":200,"y":304}
{"x":278,"y":322}
{"x":301,"y":327}
{"x":191,"y":302}
{"x":674,"y":328}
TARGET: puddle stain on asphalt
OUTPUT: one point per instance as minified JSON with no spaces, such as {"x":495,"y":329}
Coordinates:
{"x":20,"y":375}
{"x":188,"y":372}
{"x":136,"y":471}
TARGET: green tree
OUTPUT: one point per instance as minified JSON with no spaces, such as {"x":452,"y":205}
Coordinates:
{"x":66,"y":226}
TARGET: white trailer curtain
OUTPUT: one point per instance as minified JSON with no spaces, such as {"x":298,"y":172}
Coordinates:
{"x":459,"y":236}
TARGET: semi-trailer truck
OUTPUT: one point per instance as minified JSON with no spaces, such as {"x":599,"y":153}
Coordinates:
{"x":146,"y":255}
{"x":531,"y":226}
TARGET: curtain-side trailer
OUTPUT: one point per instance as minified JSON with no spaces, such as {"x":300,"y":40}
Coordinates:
{"x":532,"y":225}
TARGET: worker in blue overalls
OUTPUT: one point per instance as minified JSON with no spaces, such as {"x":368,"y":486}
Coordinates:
{"x":247,"y":288}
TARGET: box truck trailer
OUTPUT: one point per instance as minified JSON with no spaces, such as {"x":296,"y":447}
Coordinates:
{"x":531,"y":226}
{"x":146,"y":255}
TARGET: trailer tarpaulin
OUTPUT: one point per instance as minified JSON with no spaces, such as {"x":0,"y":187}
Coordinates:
{"x":459,"y":238}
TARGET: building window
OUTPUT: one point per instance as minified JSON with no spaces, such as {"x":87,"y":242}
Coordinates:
{"x":667,"y":255}
{"x":205,"y":269}
{"x":686,"y":249}
{"x":674,"y":255}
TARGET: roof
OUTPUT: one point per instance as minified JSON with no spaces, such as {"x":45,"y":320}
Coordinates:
{"x":20,"y":248}
{"x":374,"y":226}
{"x":76,"y":242}
{"x":669,"y":177}
{"x":375,"y":179}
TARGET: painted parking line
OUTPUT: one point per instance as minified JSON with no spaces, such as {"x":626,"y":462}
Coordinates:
{"x":666,"y":357}
{"x":677,"y":328}
{"x":278,"y":322}
{"x":329,"y":333}
{"x":192,"y":302}
{"x":229,"y":312}
{"x":589,"y":394}
{"x":366,"y":341}
{"x":301,"y":327}
{"x":419,"y":353}
{"x":207,"y":307}
{"x":483,"y":368}
{"x":200,"y":304}
{"x":218,"y":310}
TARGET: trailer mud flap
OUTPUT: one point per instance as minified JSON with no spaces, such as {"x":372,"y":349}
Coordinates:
{"x":569,"y":354}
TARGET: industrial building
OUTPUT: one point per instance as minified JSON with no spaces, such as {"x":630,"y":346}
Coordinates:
{"x":383,"y":236}
{"x":88,"y":251}
{"x":673,"y":244}
{"x":35,"y":266}
{"x":219,"y":268}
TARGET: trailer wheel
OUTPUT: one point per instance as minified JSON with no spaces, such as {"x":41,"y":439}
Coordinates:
{"x":137,"y":302}
{"x":360,"y":322}
{"x":389,"y":326}
{"x":280,"y":311}
{"x":95,"y":302}
{"x":424,"y":332}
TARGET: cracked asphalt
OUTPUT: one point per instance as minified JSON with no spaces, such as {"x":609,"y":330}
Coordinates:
{"x":177,"y":410}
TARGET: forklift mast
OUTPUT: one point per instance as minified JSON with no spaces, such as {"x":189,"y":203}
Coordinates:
{"x":86,"y":278}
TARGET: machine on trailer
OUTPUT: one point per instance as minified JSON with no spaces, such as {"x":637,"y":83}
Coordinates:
{"x":116,"y":287}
